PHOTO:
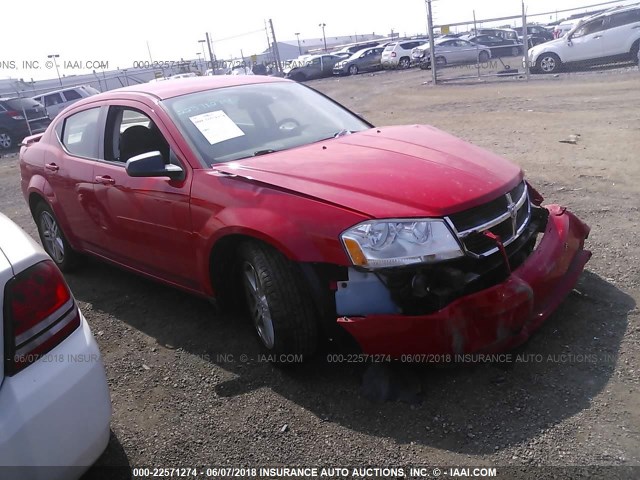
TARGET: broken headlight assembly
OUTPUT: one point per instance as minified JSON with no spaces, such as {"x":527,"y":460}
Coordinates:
{"x":394,"y":243}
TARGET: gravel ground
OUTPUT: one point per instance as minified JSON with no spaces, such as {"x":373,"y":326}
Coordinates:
{"x":183,"y":395}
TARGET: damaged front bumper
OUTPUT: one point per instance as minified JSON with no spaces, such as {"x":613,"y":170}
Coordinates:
{"x":495,"y":319}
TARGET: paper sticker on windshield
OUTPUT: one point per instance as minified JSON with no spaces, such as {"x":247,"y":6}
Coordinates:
{"x":216,"y":126}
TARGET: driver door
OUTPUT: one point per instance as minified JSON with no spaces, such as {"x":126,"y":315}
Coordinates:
{"x":586,"y":42}
{"x":145,"y":221}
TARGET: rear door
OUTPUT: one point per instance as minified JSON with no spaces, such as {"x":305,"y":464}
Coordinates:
{"x":622,"y":30}
{"x":69,"y":172}
{"x":146,"y":222}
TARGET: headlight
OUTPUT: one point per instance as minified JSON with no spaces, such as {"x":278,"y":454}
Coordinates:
{"x":392,"y":243}
{"x":339,"y":64}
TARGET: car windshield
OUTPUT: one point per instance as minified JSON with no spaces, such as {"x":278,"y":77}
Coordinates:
{"x":230,"y":123}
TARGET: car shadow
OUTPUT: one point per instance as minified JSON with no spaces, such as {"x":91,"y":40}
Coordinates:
{"x":453,"y":407}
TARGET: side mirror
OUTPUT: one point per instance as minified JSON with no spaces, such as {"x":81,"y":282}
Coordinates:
{"x":151,"y":164}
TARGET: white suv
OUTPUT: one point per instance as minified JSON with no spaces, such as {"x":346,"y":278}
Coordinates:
{"x":398,"y":54}
{"x":608,"y":36}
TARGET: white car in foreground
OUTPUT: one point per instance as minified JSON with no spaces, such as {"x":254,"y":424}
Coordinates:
{"x":54,"y":401}
{"x":609,"y":36}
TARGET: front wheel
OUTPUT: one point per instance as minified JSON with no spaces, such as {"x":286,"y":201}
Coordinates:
{"x":549,"y":63}
{"x":278,"y":301}
{"x":53,"y":239}
{"x":353,"y":70}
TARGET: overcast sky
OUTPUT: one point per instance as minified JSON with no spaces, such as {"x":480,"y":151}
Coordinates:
{"x":117,"y":31}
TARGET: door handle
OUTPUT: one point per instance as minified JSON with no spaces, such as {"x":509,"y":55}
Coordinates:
{"x":597,"y":36}
{"x":52,"y":167}
{"x":105,"y":180}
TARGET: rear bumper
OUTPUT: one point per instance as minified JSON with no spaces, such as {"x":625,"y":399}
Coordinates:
{"x":496,"y":319}
{"x":56,"y":412}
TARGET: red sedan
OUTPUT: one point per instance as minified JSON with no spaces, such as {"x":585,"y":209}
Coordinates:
{"x":408,"y":238}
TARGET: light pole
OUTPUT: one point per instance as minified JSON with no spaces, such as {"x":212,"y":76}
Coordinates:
{"x":298,"y":38}
{"x":199,"y":60}
{"x":324,"y":37}
{"x":204,"y":55}
{"x":54,"y":56}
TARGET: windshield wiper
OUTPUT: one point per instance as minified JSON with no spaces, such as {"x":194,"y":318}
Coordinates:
{"x":342,"y":133}
{"x":263,"y":152}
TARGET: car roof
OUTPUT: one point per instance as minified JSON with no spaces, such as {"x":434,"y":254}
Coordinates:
{"x":165,"y":90}
{"x":60,"y":90}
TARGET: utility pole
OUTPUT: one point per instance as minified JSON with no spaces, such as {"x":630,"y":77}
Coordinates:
{"x":276,"y":52}
{"x":525,"y":41}
{"x":213,"y":67}
{"x":324,"y":37}
{"x":432,"y":42}
{"x":298,"y":38}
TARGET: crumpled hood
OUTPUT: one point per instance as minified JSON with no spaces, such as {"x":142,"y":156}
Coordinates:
{"x":397,"y":171}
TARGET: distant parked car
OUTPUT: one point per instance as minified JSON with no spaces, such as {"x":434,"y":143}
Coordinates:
{"x":563,"y":28}
{"x":318,"y":66}
{"x":535,"y":31}
{"x":450,"y":51}
{"x":613,"y":35}
{"x":500,"y":47}
{"x":351,"y":49}
{"x":363,"y":61}
{"x":398,"y":54}
{"x":506,"y":33}
{"x":54,"y":400}
{"x":13,"y":123}
{"x":58,"y":100}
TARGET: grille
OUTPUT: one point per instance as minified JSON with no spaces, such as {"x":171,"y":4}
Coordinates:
{"x":506,"y":217}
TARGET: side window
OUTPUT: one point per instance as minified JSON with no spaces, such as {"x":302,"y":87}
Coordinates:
{"x":72,"y":95}
{"x":589,"y":28}
{"x":53,"y":99}
{"x":131,"y":132}
{"x":624,"y":18}
{"x":81,"y":132}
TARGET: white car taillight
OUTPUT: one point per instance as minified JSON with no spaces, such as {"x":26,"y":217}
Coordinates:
{"x":39,"y":314}
{"x":393,"y":54}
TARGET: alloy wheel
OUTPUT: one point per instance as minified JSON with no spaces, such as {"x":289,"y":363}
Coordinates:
{"x":258,"y":305}
{"x":52,"y":237}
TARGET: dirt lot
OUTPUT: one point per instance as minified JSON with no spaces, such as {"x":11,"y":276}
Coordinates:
{"x":574,"y":401}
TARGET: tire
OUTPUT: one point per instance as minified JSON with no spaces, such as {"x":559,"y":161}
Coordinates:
{"x":404,"y":63}
{"x":483,"y":57}
{"x":515,"y":51}
{"x":53,"y":239}
{"x":6,"y":140}
{"x":279,"y":301}
{"x":441,"y":61}
{"x":299,"y":77}
{"x":635,"y":49}
{"x":548,"y":63}
{"x":353,"y":70}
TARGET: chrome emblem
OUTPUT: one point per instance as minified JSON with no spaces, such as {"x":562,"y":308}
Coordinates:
{"x":513,"y":213}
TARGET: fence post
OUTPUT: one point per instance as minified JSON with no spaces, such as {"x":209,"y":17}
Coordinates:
{"x":525,"y":41}
{"x":432,"y":43}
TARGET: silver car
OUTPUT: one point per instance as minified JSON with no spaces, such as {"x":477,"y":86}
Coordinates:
{"x":450,"y":51}
{"x":58,"y":100}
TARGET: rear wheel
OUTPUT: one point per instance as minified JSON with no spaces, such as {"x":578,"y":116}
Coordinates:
{"x":441,"y":61}
{"x":6,"y":140}
{"x":483,"y":57}
{"x":353,"y":70}
{"x":278,"y":301}
{"x":515,"y":51}
{"x":549,"y":63}
{"x":53,"y":239}
{"x":635,"y":52}
{"x":404,"y":63}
